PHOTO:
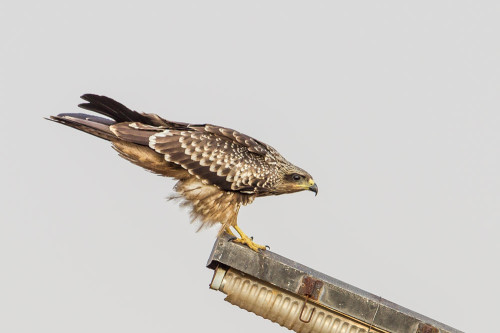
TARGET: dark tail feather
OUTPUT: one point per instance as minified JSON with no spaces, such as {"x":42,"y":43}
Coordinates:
{"x":120,"y":113}
{"x":111,"y":108}
{"x":90,"y":124}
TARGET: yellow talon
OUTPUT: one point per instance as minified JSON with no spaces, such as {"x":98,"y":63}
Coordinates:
{"x":247,"y":240}
{"x":250,"y":243}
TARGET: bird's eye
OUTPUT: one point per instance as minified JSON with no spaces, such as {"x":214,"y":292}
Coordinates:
{"x":296,"y":176}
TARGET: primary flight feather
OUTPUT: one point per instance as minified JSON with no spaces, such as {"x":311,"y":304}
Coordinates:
{"x":218,"y":169}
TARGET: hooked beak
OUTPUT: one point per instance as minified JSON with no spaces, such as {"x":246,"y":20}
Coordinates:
{"x":314,"y":188}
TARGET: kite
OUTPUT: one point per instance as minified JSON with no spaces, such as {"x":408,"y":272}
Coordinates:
{"x":217,"y":169}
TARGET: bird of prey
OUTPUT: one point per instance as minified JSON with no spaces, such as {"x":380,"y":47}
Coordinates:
{"x":218,"y":169}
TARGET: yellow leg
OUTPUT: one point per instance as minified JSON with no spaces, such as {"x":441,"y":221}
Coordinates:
{"x":247,"y":240}
{"x":228,"y":231}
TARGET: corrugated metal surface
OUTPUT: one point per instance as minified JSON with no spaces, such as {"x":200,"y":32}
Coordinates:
{"x":283,"y":307}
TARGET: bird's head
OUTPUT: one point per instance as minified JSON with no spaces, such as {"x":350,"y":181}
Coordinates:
{"x":294,"y":179}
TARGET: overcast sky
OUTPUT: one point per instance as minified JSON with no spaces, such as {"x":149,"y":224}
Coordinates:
{"x":393,"y":108}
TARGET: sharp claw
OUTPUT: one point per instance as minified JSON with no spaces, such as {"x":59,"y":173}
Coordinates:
{"x":249,"y":243}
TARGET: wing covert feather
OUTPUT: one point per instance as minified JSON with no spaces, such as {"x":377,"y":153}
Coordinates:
{"x":219,"y":159}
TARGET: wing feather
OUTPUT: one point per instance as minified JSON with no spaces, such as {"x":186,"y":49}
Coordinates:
{"x":253,"y":145}
{"x":214,"y":156}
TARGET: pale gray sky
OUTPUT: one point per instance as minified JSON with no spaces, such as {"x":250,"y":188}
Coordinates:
{"x":392,"y":107}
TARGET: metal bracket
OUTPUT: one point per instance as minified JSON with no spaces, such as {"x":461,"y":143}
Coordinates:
{"x":310,"y":288}
{"x":426,"y":328}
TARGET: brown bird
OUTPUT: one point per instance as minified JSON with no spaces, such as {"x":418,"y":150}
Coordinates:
{"x":218,"y":169}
